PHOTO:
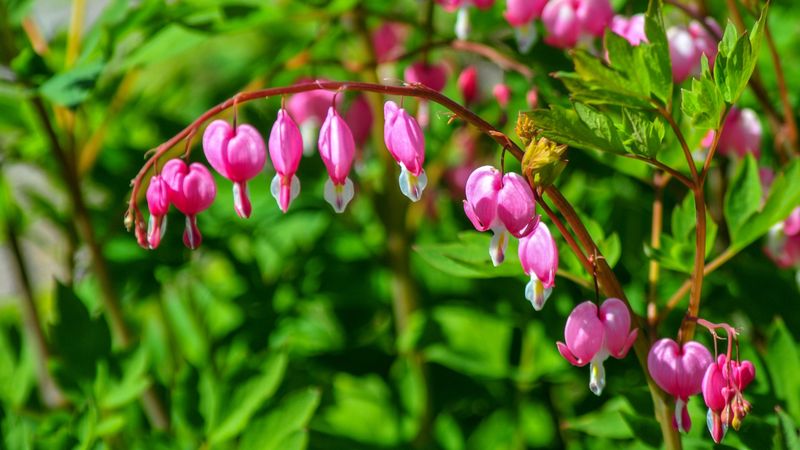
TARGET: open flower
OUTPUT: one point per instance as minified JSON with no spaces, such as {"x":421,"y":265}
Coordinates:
{"x":501,"y":203}
{"x":158,"y":204}
{"x":723,"y":384}
{"x":679,"y":372}
{"x":337,"y":149}
{"x":406,"y":142}
{"x":592,"y":335}
{"x":238,"y":154}
{"x":538,"y":255}
{"x":285,"y":151}
{"x":192,"y":190}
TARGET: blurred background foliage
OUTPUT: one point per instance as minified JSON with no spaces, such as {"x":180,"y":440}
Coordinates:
{"x":385,"y":327}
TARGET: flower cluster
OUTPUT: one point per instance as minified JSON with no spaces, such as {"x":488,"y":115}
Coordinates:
{"x":239,"y":154}
{"x":689,"y":369}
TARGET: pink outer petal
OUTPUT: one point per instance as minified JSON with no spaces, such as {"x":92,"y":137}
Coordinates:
{"x":584,"y":332}
{"x":285,"y":145}
{"x":215,"y":143}
{"x":468,"y":84}
{"x":336,"y":147}
{"x":538,"y":254}
{"x":662,"y":363}
{"x":521,"y":12}
{"x":158,"y":196}
{"x":406,"y":142}
{"x":481,"y":189}
{"x":594,"y":16}
{"x":695,"y":359}
{"x":791,"y":226}
{"x":683,"y":53}
{"x":516,"y":206}
{"x":564,"y":350}
{"x":562,"y":23}
{"x":245,"y":155}
{"x":198,"y":190}
{"x":712,"y":386}
{"x":617,"y":322}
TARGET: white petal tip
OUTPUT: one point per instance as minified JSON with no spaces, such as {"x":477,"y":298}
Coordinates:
{"x":412,"y":186}
{"x":339,"y":195}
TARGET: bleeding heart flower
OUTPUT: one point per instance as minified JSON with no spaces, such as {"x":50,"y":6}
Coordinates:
{"x":238,"y":154}
{"x":387,"y":40}
{"x":337,"y":149}
{"x":538,"y":255}
{"x":406,"y":143}
{"x":501,"y":203}
{"x":592,"y":335}
{"x":192,"y":191}
{"x":285,"y":150}
{"x":468,"y":84}
{"x":158,"y":205}
{"x":723,"y":384}
{"x":679,"y":372}
{"x":631,"y":28}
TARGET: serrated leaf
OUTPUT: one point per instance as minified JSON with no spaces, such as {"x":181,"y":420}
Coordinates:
{"x":737,"y":59}
{"x":644,"y":132}
{"x":703,"y":103}
{"x":656,"y":60}
{"x":743,"y":198}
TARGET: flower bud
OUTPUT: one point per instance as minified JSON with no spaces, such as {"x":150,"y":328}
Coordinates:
{"x":337,"y":149}
{"x":158,"y":204}
{"x":538,"y":255}
{"x":285,"y":151}
{"x":502,"y":93}
{"x":406,"y":143}
{"x":468,"y":84}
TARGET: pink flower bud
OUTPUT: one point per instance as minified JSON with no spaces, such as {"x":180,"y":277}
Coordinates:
{"x":538,"y":255}
{"x":532,"y":98}
{"x":433,"y":76}
{"x":722,"y":387}
{"x":522,"y":12}
{"x":504,"y":204}
{"x":468,"y":84}
{"x":679,"y":372}
{"x":682,"y":52}
{"x":387,"y":40}
{"x":594,"y":16}
{"x":238,"y":155}
{"x":502,"y":93}
{"x":285,"y":151}
{"x":158,"y":204}
{"x":741,"y":134}
{"x":359,"y":119}
{"x":406,"y":143}
{"x":561,"y":21}
{"x":593,"y":335}
{"x":337,"y":149}
{"x":192,"y":190}
{"x":631,"y":28}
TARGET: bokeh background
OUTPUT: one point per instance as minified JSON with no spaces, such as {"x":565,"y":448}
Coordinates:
{"x":383,"y":327}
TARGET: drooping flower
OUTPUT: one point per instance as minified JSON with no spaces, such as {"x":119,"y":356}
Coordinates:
{"x":631,"y":28}
{"x":592,"y":335}
{"x":309,"y":109}
{"x":723,"y":384}
{"x":406,"y":143}
{"x":387,"y":41}
{"x":238,"y":154}
{"x":285,"y":151}
{"x":158,"y":205}
{"x":468,"y":84}
{"x":538,"y":255}
{"x":192,"y":190}
{"x":679,"y":371}
{"x":501,"y":203}
{"x":567,"y":20}
{"x":337,"y":149}
{"x":687,"y":45}
{"x":520,"y":15}
{"x":502,"y":93}
{"x":741,"y":134}
{"x":359,"y":119}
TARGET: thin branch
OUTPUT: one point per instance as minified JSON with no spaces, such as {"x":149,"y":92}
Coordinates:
{"x":687,"y":153}
{"x":657,"y":222}
{"x":659,"y":165}
{"x":790,"y":125}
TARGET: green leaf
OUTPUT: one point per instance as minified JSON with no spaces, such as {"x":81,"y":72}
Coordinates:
{"x":72,"y":87}
{"x":743,"y":198}
{"x":784,"y":196}
{"x":783,"y":362}
{"x":249,"y":397}
{"x":656,"y":59}
{"x":737,"y":59}
{"x":290,"y":416}
{"x":469,"y":257}
{"x":644,"y":132}
{"x":646,"y":429}
{"x":703,"y":104}
{"x":788,"y":430}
